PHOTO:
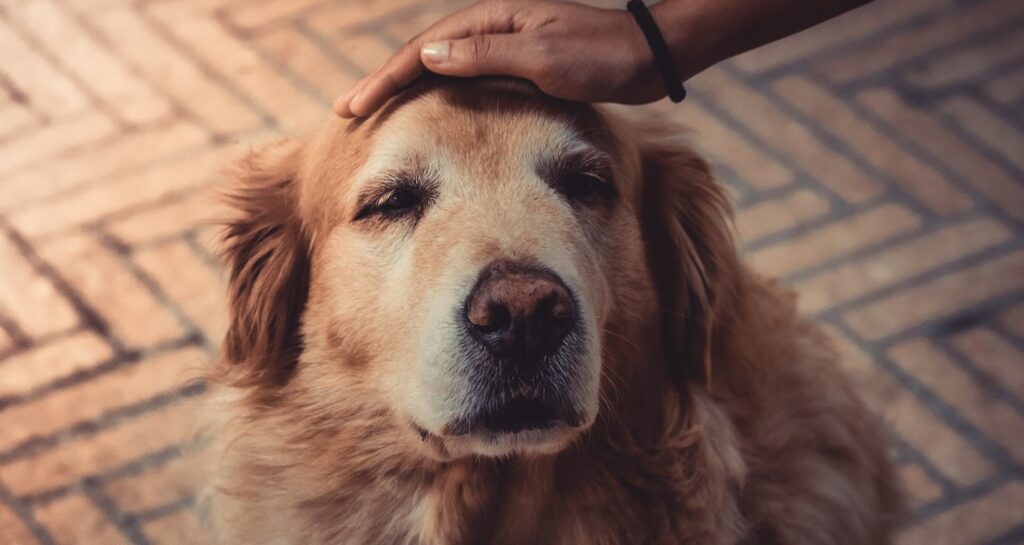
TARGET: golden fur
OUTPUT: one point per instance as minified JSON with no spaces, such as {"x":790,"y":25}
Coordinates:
{"x":723,"y":416}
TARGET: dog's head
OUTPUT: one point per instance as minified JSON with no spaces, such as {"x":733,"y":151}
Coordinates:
{"x":464,"y":261}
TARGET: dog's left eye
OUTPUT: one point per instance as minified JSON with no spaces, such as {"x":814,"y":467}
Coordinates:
{"x":395,"y":203}
{"x":401,"y":199}
{"x":580,"y":186}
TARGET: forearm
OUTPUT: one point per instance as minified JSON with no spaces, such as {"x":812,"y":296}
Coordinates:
{"x":701,"y":33}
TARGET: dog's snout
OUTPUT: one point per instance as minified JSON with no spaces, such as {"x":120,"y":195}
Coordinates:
{"x":520,"y":312}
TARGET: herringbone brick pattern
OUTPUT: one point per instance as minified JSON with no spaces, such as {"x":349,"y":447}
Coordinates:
{"x":877,"y":164}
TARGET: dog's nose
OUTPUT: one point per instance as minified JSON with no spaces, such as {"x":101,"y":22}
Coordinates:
{"x":519,"y":311}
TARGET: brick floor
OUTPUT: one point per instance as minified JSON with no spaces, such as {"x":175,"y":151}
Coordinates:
{"x":877,"y":164}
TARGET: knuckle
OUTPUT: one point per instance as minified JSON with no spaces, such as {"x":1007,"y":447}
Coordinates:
{"x":479,"y":48}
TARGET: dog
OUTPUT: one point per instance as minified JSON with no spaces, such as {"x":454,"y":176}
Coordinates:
{"x":488,"y":316}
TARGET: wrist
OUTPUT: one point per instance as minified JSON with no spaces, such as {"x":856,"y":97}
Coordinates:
{"x":687,"y":37}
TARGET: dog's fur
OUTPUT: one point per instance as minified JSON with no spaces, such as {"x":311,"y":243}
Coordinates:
{"x":723,"y":418}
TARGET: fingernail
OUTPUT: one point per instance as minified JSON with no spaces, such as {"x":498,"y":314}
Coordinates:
{"x":436,"y":51}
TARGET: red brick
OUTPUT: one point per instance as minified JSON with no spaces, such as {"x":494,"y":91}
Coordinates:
{"x":1013,"y":319}
{"x":251,"y":15}
{"x":930,"y":366}
{"x":298,"y":52}
{"x":995,"y":356}
{"x":197,"y":209}
{"x":1004,"y":190}
{"x":833,"y":240}
{"x":196,"y":287}
{"x":95,"y":163}
{"x":969,"y":64}
{"x":126,"y":96}
{"x":847,"y":28}
{"x":40,"y":308}
{"x":902,"y":46}
{"x":937,"y":298}
{"x":172,"y":426}
{"x":86,"y":401}
{"x":173,"y":71}
{"x":49,"y":141}
{"x":909,"y":417}
{"x":781,"y":131}
{"x":365,"y":49}
{"x":101,"y":277}
{"x":12,"y":530}
{"x":236,"y":61}
{"x":177,"y":529}
{"x":75,"y":520}
{"x":15,"y":118}
{"x":340,"y":15}
{"x":988,"y":127}
{"x":1007,"y":87}
{"x":914,"y":176}
{"x":51,"y":92}
{"x":726,"y":146}
{"x":901,"y":262}
{"x":57,"y":359}
{"x":769,"y":217}
{"x":165,"y":484}
{"x":920,"y":488}
{"x":977,"y":521}
{"x":137,"y":187}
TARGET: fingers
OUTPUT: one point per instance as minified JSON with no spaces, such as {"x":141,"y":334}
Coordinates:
{"x":488,"y":54}
{"x":406,"y":65}
{"x":375,"y":89}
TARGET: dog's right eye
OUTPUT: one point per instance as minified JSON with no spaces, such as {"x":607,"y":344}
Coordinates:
{"x":401,"y":199}
{"x":397,"y":202}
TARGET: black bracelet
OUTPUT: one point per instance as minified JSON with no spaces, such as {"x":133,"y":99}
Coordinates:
{"x":662,"y":57}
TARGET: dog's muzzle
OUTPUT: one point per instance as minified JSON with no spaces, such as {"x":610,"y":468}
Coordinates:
{"x":522,"y":339}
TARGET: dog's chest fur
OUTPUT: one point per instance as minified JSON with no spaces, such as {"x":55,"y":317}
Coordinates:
{"x":683,"y":490}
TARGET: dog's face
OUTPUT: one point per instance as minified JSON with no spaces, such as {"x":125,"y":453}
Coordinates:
{"x":462,"y":258}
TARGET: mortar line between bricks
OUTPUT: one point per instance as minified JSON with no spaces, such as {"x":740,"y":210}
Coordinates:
{"x":90,"y":183}
{"x":803,"y":178}
{"x":891,"y":73}
{"x":935,"y":403}
{"x":107,"y":420}
{"x":32,"y":344}
{"x":805,"y":63}
{"x":965,"y":495}
{"x":177,"y":109}
{"x":891,"y":187}
{"x":127,"y":469}
{"x":913,"y":148}
{"x":95,"y":101}
{"x":87,"y":315}
{"x":124,"y":524}
{"x":23,"y":514}
{"x":164,"y":510}
{"x":124,"y":254}
{"x":324,"y":44}
{"x":104,"y":367}
{"x":985,"y":381}
{"x":204,"y":68}
{"x":894,"y":242}
{"x":932,"y":95}
{"x":953,"y":322}
{"x":1014,"y":536}
{"x":279,"y":68}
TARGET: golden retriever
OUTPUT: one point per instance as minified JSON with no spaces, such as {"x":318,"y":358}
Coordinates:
{"x":487,"y":316}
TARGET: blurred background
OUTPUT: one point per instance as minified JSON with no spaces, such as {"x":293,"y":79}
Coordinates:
{"x":876,"y":165}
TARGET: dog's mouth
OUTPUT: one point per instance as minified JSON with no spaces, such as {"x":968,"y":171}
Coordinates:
{"x":516,"y":414}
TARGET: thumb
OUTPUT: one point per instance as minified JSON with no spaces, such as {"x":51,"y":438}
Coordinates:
{"x":487,"y":54}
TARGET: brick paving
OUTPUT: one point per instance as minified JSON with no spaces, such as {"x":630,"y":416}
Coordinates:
{"x":876,"y":162}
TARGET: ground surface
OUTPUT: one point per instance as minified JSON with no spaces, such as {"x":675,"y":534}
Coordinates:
{"x":876,"y":162}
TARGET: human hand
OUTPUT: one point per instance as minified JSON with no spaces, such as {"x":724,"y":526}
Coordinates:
{"x":568,"y":50}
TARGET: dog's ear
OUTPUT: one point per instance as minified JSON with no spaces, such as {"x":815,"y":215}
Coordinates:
{"x":266,"y":248}
{"x":686,"y":222}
